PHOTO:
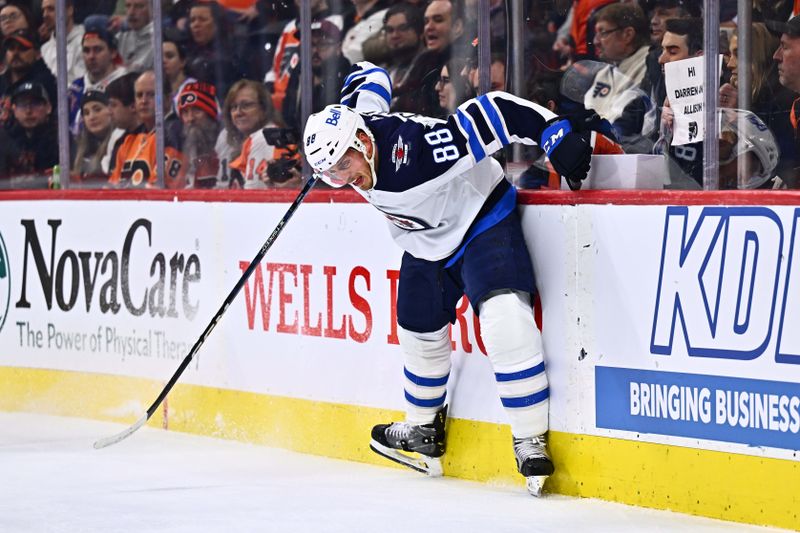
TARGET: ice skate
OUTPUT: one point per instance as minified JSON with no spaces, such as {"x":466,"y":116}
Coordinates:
{"x":425,"y":441}
{"x":533,"y":462}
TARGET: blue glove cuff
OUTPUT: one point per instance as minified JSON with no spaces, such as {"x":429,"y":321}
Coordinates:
{"x":554,"y":134}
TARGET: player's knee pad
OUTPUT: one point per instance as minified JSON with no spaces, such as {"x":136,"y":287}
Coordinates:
{"x":508,"y":328}
{"x":427,"y":369}
{"x":514,"y":345}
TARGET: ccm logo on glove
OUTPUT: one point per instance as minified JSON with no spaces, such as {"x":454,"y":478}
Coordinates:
{"x":569,"y":152}
{"x":554,"y":134}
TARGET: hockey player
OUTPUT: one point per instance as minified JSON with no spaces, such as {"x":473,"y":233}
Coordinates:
{"x":454,"y":214}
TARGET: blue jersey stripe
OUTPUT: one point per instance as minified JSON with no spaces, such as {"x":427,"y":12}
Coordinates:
{"x":355,"y":75}
{"x":526,"y":401}
{"x":474,"y":142}
{"x":426,"y":382}
{"x":522,"y":374}
{"x":494,"y":118}
{"x":479,"y":119}
{"x":501,"y":210}
{"x":378,"y":89}
{"x":435,"y":402}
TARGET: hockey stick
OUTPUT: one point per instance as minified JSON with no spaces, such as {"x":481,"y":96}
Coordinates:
{"x":108,"y":441}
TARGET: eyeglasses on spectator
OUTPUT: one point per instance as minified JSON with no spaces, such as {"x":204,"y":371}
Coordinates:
{"x":244,"y":105}
{"x":605,"y":33}
{"x":11,"y":17}
{"x":399,"y":28}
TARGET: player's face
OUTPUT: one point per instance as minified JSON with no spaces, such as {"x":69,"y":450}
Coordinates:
{"x":352,"y":169}
{"x":96,"y":117}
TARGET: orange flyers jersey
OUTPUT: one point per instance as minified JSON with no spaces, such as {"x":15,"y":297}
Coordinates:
{"x":254,"y":159}
{"x":135,"y":163}
{"x":286,"y":53}
{"x":286,"y":59}
{"x":583,"y":10}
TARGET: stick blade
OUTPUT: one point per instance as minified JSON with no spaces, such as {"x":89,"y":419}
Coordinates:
{"x":108,"y":441}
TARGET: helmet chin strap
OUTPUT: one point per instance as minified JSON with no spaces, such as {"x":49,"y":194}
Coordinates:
{"x":361,"y":147}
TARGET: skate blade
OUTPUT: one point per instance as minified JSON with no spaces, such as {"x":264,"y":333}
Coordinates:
{"x":431,"y":466}
{"x":535,"y":484}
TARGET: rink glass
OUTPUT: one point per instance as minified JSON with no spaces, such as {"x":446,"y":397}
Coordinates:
{"x":508,"y":44}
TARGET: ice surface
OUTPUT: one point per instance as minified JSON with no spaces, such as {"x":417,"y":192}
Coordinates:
{"x":51,"y":479}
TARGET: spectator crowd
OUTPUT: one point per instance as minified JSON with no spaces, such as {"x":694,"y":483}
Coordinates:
{"x":232,"y":83}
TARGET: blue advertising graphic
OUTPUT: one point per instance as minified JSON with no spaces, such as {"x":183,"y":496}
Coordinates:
{"x":747,"y":411}
{"x":727,"y":290}
{"x":718,"y":285}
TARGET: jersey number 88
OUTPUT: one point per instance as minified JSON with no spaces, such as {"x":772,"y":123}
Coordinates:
{"x":443,"y":153}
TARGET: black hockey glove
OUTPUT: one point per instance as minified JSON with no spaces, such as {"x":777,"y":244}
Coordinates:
{"x":583,"y":120}
{"x":569,"y":151}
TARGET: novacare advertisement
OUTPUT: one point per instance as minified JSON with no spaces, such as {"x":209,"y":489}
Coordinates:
{"x":696,"y":335}
{"x":119,"y":297}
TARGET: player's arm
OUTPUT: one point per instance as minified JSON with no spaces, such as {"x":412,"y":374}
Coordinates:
{"x":496,"y":119}
{"x":368,"y":88}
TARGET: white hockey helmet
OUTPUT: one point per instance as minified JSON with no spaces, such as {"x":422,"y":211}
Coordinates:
{"x":328,"y":135}
{"x":751,"y":135}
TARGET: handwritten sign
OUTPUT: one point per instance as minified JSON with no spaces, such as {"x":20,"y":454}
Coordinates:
{"x":685,"y":81}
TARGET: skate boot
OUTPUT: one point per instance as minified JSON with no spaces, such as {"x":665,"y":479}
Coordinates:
{"x":533,"y":462}
{"x":427,"y":440}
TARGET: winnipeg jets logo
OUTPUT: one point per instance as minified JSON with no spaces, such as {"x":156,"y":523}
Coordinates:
{"x":399,"y":153}
{"x":407,"y":223}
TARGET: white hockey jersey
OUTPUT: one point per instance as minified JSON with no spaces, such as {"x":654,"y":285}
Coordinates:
{"x":255,"y":157}
{"x":434,"y":177}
